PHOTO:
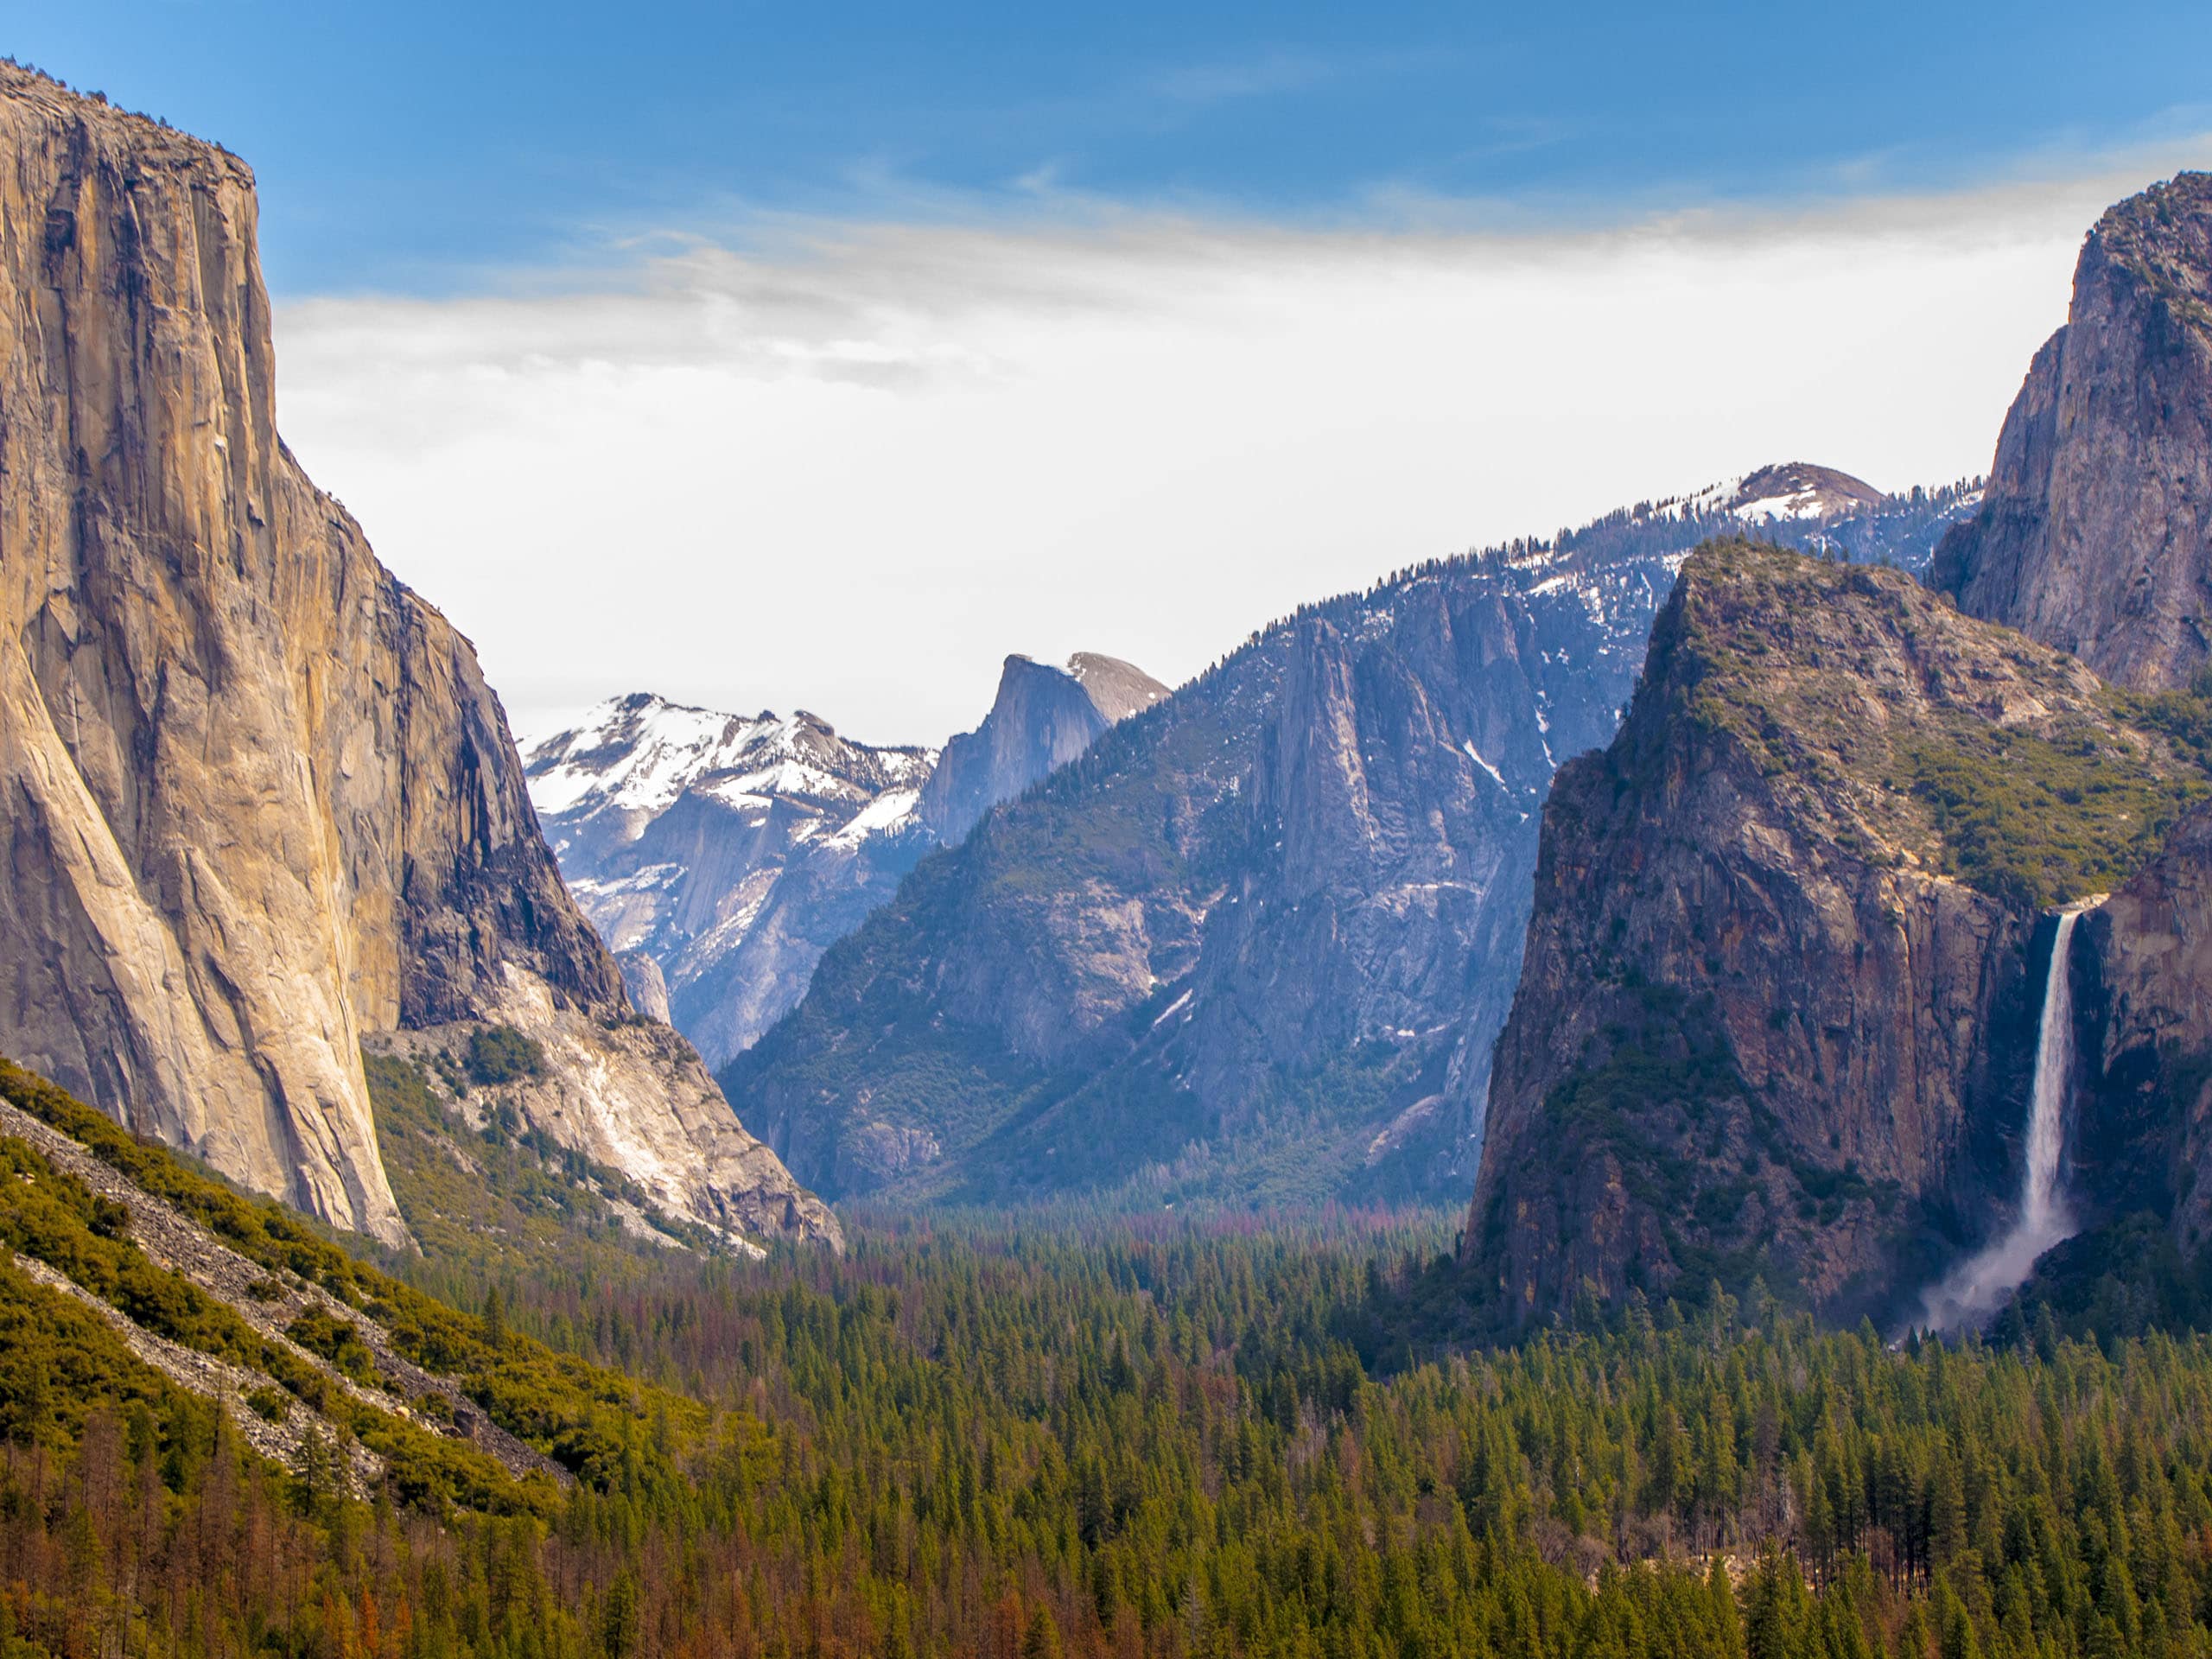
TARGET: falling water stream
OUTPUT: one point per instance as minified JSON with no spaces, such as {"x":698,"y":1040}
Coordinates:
{"x":1976,"y":1288}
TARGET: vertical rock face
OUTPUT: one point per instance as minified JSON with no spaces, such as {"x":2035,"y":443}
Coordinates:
{"x":647,"y":985}
{"x":1042,"y":718}
{"x":1390,"y":826}
{"x":1774,"y":1017}
{"x":261,"y":806}
{"x":2095,"y":535}
{"x":2142,"y":1134}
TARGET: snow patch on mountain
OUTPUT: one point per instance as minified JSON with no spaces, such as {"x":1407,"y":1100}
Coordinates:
{"x":890,"y":811}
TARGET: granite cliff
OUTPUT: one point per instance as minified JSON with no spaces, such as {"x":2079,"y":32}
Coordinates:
{"x":262,"y":808}
{"x":2142,"y":1122}
{"x":2095,"y":534}
{"x":1042,"y":718}
{"x":1783,"y":968}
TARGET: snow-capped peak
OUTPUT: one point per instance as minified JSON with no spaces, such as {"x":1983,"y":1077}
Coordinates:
{"x":637,"y":754}
{"x":1794,"y":490}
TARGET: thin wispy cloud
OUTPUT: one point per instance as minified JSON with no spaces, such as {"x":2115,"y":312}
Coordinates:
{"x":1265,"y":74}
{"x":849,"y":466}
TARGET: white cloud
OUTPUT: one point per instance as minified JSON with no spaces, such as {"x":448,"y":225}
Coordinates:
{"x":852,"y":473}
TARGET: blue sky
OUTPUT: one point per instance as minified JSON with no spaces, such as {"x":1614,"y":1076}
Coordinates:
{"x":428,"y":148}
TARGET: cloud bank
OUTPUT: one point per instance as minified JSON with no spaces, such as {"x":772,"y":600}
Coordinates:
{"x":851,"y":466}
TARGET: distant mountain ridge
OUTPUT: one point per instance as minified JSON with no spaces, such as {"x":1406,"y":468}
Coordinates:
{"x":1259,"y":939}
{"x":720,"y":855}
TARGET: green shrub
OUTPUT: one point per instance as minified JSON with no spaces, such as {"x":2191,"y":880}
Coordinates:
{"x":335,"y":1340}
{"x":500,"y":1054}
{"x":268,"y":1404}
{"x":2039,"y":821}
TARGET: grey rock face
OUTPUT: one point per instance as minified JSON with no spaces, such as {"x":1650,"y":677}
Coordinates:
{"x":2096,"y":532}
{"x":2142,"y":1132}
{"x":261,"y":803}
{"x":647,"y":985}
{"x":1042,"y":718}
{"x":1759,"y":1030}
{"x":1117,"y":689}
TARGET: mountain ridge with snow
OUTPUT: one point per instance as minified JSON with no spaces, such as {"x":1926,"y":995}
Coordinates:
{"x":719,"y":855}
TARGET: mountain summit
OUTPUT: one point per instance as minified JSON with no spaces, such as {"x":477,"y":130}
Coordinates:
{"x":1798,"y":489}
{"x":2096,"y":533}
{"x":1042,"y":718}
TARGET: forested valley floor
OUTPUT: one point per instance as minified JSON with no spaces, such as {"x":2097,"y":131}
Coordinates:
{"x":1070,"y":1435}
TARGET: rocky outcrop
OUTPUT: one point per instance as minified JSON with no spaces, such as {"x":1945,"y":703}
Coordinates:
{"x":2096,"y":532}
{"x":1042,"y":718}
{"x":647,"y":985}
{"x":1117,"y":690}
{"x":1777,"y":1008}
{"x":261,"y":805}
{"x":2142,"y":1131}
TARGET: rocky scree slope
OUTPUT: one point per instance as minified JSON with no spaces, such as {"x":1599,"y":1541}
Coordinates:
{"x":1782,"y":975}
{"x":1258,"y":941}
{"x":720,"y":856}
{"x":2095,"y":535}
{"x":262,"y":808}
{"x":302,"y":1349}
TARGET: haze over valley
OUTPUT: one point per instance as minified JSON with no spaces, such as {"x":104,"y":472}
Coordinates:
{"x":1439,"y":895}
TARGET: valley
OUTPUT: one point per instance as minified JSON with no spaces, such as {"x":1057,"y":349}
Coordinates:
{"x":1645,"y":1089}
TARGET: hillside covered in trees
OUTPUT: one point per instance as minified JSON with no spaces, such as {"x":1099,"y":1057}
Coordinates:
{"x":1066,"y":1437}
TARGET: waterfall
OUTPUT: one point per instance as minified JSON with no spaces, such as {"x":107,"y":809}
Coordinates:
{"x":1977,"y":1287}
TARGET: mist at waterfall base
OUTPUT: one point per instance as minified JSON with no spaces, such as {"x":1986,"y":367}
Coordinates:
{"x":1974,"y":1291}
